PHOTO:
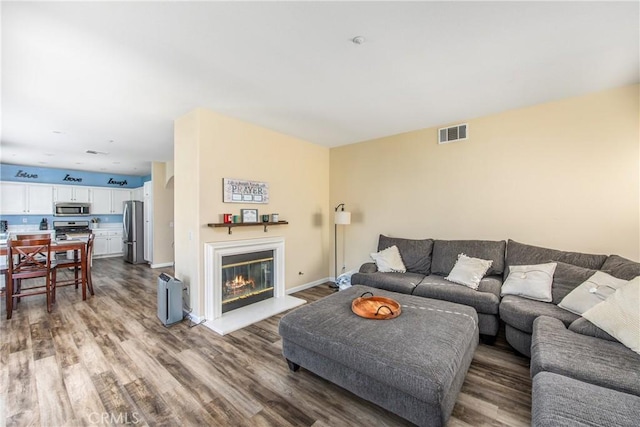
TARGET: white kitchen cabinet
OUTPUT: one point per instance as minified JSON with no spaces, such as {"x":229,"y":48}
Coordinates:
{"x":118,"y":197}
{"x":100,"y":243}
{"x":69,"y":193}
{"x":107,"y":243}
{"x":26,"y":199}
{"x":137,"y":194}
{"x":100,"y":201}
{"x":108,"y":201}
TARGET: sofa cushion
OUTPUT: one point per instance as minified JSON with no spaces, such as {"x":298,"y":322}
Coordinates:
{"x":485,"y":300}
{"x":445,"y":254}
{"x":621,"y":268}
{"x":566,"y":278}
{"x":584,"y":327}
{"x":395,"y":282}
{"x":561,"y":401}
{"x":519,"y":254}
{"x":521,"y":312}
{"x":416,"y":254}
{"x":556,"y":349}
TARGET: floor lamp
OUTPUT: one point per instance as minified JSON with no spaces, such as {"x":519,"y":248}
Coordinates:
{"x":340,"y":218}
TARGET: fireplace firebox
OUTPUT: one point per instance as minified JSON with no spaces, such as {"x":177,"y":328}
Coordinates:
{"x":246,"y":279}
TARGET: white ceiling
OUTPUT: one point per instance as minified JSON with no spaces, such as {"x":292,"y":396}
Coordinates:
{"x":113,"y":76}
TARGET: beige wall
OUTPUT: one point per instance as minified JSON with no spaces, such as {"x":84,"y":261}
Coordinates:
{"x":210,"y":147}
{"x":162,"y":214}
{"x":186,"y":204}
{"x":563,"y":175}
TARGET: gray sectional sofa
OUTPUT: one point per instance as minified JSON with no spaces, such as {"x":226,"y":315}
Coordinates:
{"x":581,"y":375}
{"x":429,"y":261}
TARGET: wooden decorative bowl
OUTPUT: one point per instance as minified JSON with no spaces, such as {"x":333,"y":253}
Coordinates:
{"x":373,"y":307}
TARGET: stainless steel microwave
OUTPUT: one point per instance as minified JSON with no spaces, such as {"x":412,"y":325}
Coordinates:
{"x":72,"y":209}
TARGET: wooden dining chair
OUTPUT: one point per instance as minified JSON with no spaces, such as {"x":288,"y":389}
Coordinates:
{"x":76,"y":265}
{"x":28,"y":259}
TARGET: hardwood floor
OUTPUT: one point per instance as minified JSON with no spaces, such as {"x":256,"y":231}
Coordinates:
{"x":109,"y":360}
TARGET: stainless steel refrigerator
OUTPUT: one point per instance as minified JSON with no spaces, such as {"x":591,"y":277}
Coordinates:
{"x":133,"y":221}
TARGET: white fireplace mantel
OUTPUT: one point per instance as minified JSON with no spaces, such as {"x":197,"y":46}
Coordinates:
{"x":224,"y":323}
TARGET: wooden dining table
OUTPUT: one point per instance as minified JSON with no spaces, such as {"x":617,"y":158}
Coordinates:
{"x":75,"y":245}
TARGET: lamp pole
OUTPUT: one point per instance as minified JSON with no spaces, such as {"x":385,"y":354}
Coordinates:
{"x":335,"y":249}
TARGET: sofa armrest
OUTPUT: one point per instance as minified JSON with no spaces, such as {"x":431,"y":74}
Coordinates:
{"x":369,"y":267}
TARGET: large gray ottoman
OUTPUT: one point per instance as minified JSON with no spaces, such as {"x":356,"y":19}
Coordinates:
{"x":413,"y":365}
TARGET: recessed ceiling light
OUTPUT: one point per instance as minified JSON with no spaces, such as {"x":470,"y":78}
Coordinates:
{"x":358,"y":40}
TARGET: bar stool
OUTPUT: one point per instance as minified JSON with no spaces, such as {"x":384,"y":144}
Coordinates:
{"x":28,"y":259}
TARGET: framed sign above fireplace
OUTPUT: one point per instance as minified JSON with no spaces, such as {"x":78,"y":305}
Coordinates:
{"x":244,"y":191}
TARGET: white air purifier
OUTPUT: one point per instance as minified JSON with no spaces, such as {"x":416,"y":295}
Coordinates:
{"x":169,"y":299}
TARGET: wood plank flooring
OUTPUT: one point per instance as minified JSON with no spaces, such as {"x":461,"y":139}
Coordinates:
{"x":108,"y":360}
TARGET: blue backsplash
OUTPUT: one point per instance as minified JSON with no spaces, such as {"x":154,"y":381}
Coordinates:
{"x":35,"y":219}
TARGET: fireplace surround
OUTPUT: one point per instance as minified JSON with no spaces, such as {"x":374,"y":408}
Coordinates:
{"x":233,"y":270}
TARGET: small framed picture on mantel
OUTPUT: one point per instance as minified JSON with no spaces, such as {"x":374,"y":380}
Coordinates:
{"x":249,"y":215}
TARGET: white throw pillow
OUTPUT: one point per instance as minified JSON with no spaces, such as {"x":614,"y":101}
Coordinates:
{"x":389,"y":260}
{"x":530,"y":281}
{"x":469,"y":271}
{"x":619,"y":315}
{"x":594,"y":290}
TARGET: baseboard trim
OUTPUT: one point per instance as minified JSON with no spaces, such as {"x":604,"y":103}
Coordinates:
{"x":107,"y":256}
{"x":307,"y":286}
{"x":161,"y":265}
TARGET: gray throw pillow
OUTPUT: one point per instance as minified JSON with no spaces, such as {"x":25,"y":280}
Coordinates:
{"x":416,"y":254}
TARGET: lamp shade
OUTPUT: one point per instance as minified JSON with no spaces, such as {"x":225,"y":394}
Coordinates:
{"x":342,"y":218}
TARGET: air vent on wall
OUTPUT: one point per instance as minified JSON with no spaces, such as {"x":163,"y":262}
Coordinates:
{"x":453,"y":133}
